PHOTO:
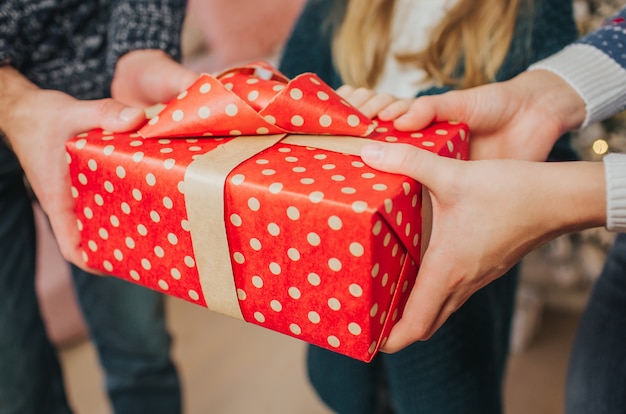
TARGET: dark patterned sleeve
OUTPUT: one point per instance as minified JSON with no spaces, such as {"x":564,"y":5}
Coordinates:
{"x":10,"y":16}
{"x":145,"y":24}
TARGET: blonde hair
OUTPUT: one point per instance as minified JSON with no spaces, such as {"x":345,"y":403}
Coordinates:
{"x":465,"y":49}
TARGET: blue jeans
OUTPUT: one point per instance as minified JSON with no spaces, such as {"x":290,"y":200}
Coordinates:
{"x":596,"y":381}
{"x":126,"y":323}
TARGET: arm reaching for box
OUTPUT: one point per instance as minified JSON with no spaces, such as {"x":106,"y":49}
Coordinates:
{"x":520,"y":119}
{"x":486,"y":216}
{"x":37,"y":123}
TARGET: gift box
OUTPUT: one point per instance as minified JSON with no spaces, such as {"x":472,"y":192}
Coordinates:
{"x":246,"y":195}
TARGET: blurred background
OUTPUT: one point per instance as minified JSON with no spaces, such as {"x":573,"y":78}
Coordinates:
{"x":229,"y":366}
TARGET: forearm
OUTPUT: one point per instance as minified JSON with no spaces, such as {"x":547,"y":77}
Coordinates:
{"x":534,"y":202}
{"x":551,"y":97}
{"x":15,"y":87}
{"x":597,"y":80}
{"x":576,"y":195}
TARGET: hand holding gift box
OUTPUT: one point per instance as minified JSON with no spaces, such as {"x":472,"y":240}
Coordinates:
{"x":277,"y":221}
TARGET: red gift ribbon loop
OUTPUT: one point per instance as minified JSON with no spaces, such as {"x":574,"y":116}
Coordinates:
{"x":257,"y":99}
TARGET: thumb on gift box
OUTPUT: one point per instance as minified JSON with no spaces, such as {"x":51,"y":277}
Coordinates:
{"x":421,"y":165}
{"x":107,"y":114}
{"x":431,"y":300}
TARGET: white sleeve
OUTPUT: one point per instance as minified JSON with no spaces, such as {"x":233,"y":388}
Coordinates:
{"x":615,"y":171}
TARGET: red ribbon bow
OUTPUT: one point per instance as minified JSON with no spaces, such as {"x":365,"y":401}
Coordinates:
{"x":256,"y":99}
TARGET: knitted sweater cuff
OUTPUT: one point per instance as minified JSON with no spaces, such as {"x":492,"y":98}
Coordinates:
{"x":615,"y":171}
{"x":145,"y":24}
{"x":596,"y":77}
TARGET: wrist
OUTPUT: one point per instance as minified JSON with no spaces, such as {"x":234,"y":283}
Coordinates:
{"x":15,"y":90}
{"x":578,"y":194}
{"x":552,"y":98}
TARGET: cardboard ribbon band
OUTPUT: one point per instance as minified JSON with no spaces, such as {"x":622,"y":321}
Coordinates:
{"x":204,"y":181}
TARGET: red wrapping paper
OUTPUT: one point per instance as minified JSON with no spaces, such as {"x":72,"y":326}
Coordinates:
{"x":301,"y":239}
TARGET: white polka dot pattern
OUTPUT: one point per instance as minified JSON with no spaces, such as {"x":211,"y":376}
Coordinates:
{"x":330,"y":261}
{"x":136,"y":210}
{"x":327,"y":266}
